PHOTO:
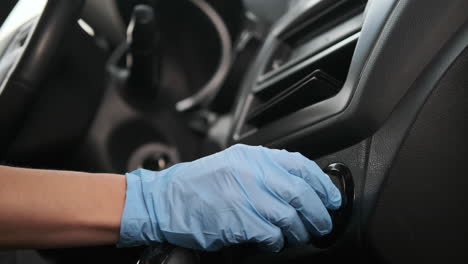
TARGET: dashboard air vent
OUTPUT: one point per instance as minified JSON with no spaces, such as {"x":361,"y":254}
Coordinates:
{"x":313,"y":88}
{"x":315,"y":80}
{"x":310,"y":35}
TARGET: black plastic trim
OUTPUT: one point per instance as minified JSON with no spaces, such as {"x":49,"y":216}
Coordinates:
{"x":376,"y":81}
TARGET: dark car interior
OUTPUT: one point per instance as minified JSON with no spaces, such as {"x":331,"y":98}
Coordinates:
{"x":376,"y":92}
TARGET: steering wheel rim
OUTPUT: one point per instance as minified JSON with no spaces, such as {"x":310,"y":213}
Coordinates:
{"x":22,"y":84}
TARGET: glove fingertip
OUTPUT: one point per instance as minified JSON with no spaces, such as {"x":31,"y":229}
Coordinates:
{"x":326,"y":227}
{"x":275,"y":248}
{"x":334,"y":199}
{"x":274,"y":244}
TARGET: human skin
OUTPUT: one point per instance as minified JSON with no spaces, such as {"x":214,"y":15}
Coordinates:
{"x":58,"y":209}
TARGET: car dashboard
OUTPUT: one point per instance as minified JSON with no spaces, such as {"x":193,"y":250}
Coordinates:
{"x":373,"y":91}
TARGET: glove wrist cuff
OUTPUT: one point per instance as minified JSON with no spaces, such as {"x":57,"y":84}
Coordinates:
{"x":139,"y":225}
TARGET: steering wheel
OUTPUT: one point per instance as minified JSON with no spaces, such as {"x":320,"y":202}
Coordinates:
{"x":37,"y":42}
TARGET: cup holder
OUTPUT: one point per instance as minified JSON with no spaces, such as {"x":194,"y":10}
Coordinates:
{"x":153,"y":156}
{"x":137,"y":144}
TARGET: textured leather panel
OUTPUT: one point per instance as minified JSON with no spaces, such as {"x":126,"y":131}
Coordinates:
{"x":387,"y":141}
{"x":421,"y":213}
{"x":413,"y":36}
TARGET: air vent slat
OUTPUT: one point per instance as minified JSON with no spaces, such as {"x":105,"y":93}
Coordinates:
{"x":315,"y":87}
{"x":306,"y":38}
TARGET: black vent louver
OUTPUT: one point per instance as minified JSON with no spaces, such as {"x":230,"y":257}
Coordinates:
{"x":308,"y":65}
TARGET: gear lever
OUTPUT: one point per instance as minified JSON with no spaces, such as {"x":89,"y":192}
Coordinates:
{"x":142,"y":59}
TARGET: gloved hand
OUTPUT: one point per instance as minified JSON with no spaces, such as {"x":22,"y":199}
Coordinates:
{"x":241,"y":195}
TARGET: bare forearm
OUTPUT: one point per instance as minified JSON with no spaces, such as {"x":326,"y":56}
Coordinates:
{"x":47,"y":209}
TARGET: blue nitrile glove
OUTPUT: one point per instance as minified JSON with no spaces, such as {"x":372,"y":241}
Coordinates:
{"x":241,"y":195}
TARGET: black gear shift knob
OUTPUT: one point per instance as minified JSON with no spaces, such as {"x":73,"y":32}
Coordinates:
{"x":167,"y":254}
